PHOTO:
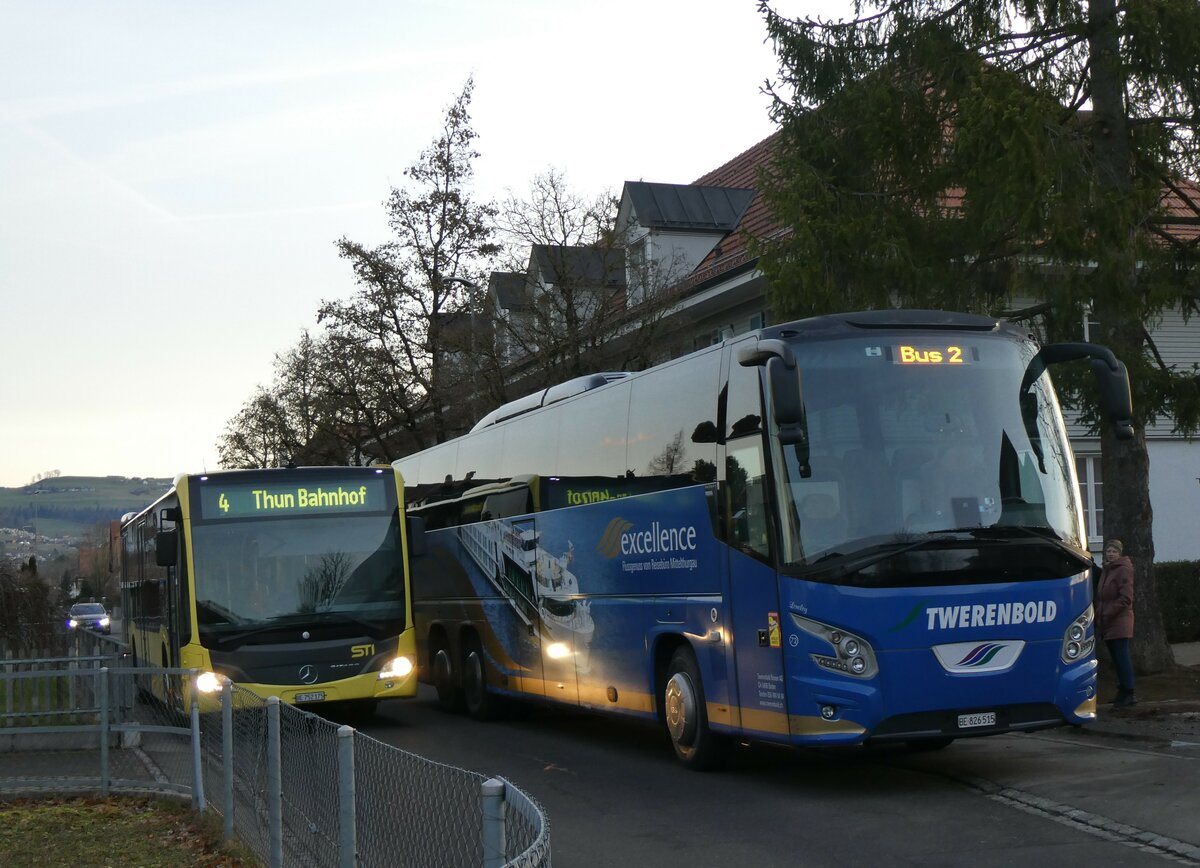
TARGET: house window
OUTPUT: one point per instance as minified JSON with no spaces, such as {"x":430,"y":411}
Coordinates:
{"x":758,"y":321}
{"x":638,"y":267}
{"x":713,"y":337}
{"x":1091,"y":491}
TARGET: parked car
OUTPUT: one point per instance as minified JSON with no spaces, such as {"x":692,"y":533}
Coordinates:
{"x":92,"y":616}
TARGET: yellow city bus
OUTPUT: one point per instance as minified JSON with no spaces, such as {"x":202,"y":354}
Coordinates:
{"x":291,"y":582}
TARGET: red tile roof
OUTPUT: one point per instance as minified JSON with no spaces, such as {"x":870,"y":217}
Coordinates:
{"x":743,"y":171}
{"x":757,"y":222}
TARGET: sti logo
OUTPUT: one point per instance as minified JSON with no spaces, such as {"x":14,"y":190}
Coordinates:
{"x":362,"y":650}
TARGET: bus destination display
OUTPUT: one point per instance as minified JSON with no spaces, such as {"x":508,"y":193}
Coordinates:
{"x":951,"y":354}
{"x":323,"y":496}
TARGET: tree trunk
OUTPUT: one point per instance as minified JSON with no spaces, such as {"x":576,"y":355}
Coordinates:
{"x":1128,"y":517}
{"x":1126,"y":464}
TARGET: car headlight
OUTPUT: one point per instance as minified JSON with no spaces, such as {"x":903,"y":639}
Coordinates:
{"x":72,"y":623}
{"x":852,"y":655}
{"x":209,"y":682}
{"x":104,"y":622}
{"x":1079,"y":638}
{"x":399,"y":667}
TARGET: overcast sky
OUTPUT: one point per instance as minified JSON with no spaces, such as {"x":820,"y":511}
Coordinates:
{"x":173,"y":177}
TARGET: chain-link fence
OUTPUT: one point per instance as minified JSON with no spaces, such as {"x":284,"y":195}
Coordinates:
{"x":295,"y":788}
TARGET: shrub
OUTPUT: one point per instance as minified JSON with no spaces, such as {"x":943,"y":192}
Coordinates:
{"x":29,"y":619}
{"x":1178,"y":585}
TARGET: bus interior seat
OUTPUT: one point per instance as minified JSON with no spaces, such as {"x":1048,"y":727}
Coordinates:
{"x":872,"y":495}
{"x":822,"y":521}
{"x":908,"y":463}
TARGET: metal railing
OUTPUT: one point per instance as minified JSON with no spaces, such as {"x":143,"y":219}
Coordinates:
{"x":296,"y":788}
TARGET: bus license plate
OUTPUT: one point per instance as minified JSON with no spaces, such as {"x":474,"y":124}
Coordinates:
{"x":983,"y":718}
{"x":319,"y":696}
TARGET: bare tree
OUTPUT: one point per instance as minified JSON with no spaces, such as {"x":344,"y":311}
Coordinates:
{"x":297,"y":419}
{"x":388,"y":336}
{"x":579,"y":302}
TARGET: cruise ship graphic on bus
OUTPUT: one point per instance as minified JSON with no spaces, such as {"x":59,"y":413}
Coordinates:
{"x":533,"y":579}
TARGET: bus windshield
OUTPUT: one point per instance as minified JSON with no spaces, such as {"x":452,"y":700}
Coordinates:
{"x":928,"y":465}
{"x":327,"y":570}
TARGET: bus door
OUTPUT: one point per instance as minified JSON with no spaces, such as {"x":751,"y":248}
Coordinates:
{"x":515,"y":625}
{"x":753,"y":582}
{"x":564,"y":621}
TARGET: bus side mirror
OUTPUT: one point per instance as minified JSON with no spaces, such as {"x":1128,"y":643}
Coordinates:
{"x":1115,"y":397}
{"x":705,"y":432}
{"x":787,"y":401}
{"x":414,"y":529}
{"x":166,"y":546}
{"x":1112,"y":379}
{"x":784,"y":393}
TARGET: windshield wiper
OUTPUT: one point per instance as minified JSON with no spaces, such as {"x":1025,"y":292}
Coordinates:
{"x":838,"y":565}
{"x":219,"y":612}
{"x":298,"y":621}
{"x":1003,"y":533}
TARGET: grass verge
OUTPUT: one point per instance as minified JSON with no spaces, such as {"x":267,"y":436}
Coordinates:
{"x":96,"y":832}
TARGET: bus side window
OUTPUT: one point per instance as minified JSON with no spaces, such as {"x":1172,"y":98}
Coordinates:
{"x":745,"y":483}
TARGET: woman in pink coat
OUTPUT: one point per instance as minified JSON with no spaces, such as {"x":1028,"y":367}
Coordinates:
{"x":1114,"y":616}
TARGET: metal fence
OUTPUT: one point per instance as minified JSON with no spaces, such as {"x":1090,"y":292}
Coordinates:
{"x":296,"y":788}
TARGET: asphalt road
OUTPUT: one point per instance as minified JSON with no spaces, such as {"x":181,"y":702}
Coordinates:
{"x":615,"y":796}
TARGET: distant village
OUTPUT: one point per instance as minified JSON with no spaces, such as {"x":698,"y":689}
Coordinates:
{"x":79,"y":562}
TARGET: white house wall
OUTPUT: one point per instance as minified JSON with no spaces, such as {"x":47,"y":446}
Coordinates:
{"x":1175,"y":499}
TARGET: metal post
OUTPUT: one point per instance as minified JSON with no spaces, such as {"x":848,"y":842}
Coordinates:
{"x":72,"y":666}
{"x":347,"y":814}
{"x":104,"y":772}
{"x":493,"y":823}
{"x":227,"y":752}
{"x":197,"y":767}
{"x":274,"y":783}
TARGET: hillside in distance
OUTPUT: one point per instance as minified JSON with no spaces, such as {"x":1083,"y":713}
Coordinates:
{"x":73,"y":505}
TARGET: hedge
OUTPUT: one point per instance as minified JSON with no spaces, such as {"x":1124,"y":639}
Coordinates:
{"x":1178,"y":585}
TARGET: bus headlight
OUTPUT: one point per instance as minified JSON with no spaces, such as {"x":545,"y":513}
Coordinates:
{"x":1078,"y":638}
{"x":208,"y":682}
{"x":852,"y":655}
{"x":399,"y":667}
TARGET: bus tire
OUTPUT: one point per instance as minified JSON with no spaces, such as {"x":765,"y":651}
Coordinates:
{"x":140,"y":691}
{"x":480,"y":702}
{"x":450,"y":696}
{"x":686,"y":715}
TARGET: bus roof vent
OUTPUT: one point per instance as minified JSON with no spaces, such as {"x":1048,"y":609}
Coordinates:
{"x":924,"y":319}
{"x":512,"y":408}
{"x":545,"y":397}
{"x":580,"y":385}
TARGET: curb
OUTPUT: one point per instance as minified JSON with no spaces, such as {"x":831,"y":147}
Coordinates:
{"x":1087,"y":821}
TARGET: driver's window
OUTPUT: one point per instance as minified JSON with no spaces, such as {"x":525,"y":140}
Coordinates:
{"x":747,"y":497}
{"x":750,"y":524}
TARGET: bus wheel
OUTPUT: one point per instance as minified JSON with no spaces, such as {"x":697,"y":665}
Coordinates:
{"x":139,"y":684}
{"x":450,"y":697}
{"x":697,"y":746}
{"x":166,"y":683}
{"x":480,"y":703}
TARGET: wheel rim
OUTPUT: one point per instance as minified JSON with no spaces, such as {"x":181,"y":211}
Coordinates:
{"x":681,"y":709}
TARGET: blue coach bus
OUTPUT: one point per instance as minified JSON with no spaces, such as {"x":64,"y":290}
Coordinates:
{"x":851,"y":528}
